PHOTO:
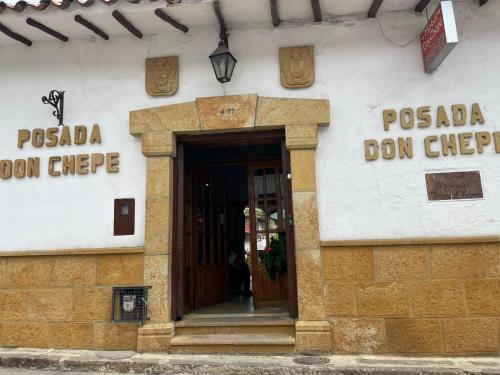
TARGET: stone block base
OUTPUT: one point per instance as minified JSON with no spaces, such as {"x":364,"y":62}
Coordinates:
{"x":313,"y":337}
{"x":155,"y":338}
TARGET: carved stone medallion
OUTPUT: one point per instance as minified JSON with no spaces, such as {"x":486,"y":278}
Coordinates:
{"x":297,"y":66}
{"x":162,"y":78}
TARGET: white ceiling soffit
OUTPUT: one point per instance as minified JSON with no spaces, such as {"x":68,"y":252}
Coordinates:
{"x":239,"y":14}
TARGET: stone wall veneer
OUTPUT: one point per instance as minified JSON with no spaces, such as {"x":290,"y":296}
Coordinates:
{"x":438,"y":299}
{"x":64,"y":301}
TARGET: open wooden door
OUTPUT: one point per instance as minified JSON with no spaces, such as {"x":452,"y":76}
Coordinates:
{"x":266,"y":184}
{"x":210,"y":238}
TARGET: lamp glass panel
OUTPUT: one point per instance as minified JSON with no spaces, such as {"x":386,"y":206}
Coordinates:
{"x":231,"y":62}
{"x":219,"y":63}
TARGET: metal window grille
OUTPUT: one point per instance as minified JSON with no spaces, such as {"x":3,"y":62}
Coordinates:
{"x":130,"y":304}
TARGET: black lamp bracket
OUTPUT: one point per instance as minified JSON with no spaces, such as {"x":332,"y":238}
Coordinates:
{"x":224,"y":39}
{"x":223,"y":35}
{"x":56,"y":100}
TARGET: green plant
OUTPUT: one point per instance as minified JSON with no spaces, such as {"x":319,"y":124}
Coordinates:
{"x":275,"y":256}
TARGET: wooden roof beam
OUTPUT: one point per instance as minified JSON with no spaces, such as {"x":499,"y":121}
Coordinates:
{"x":374,"y":8}
{"x":422,"y":4}
{"x":274,"y":13}
{"x":89,"y":25}
{"x":11,"y":34}
{"x":56,"y":34}
{"x":165,"y":17}
{"x":126,"y":24}
{"x":316,"y":7}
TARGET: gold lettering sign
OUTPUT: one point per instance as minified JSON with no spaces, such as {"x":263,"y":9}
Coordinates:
{"x":80,"y":164}
{"x":162,"y":78}
{"x":297,"y":66}
{"x":434,"y":145}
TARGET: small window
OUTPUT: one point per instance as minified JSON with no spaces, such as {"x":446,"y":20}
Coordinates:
{"x":130,"y":304}
{"x":124,"y":217}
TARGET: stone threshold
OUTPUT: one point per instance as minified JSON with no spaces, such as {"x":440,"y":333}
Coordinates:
{"x":131,"y":362}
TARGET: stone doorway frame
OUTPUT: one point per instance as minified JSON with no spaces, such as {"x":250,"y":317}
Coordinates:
{"x":158,"y":128}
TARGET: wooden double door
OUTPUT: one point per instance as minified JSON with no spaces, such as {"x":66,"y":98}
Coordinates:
{"x":201,"y":252}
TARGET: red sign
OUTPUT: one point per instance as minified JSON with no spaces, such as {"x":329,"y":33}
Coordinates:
{"x":439,"y":36}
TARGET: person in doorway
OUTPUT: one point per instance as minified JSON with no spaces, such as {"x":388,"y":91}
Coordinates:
{"x":239,"y":274}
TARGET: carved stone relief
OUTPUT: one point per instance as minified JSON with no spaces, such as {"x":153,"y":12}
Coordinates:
{"x":297,"y":66}
{"x":162,"y":78}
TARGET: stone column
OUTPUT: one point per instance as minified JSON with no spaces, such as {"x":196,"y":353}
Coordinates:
{"x":159,"y":148}
{"x":313,"y":332}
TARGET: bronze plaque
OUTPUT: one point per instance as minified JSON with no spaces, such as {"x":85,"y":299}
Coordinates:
{"x":454,"y":185}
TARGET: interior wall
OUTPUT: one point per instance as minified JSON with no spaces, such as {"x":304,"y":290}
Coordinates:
{"x":360,"y":67}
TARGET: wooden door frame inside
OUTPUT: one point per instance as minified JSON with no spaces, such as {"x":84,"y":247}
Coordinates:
{"x":179,"y":305}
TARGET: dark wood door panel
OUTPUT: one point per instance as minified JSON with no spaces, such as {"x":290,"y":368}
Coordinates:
{"x":266,"y":202}
{"x":209,"y":237}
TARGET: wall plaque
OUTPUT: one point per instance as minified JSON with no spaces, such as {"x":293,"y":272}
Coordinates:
{"x":297,"y":66}
{"x":454,"y":185}
{"x":162,"y":78}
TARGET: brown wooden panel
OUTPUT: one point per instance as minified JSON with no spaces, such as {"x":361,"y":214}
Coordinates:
{"x":209,"y":238}
{"x":124,"y":222}
{"x":265,"y":196}
{"x":454,"y":185}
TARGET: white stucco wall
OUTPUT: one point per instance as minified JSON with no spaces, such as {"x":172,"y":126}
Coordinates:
{"x":359,"y":70}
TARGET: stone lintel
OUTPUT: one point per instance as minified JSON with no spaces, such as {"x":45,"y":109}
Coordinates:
{"x":227,"y":112}
{"x":158,"y":143}
{"x":175,"y":117}
{"x":288,"y":111}
{"x":299,"y":137}
{"x":233,"y":112}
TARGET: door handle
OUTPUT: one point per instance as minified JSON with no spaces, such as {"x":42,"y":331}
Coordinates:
{"x":290,"y":220}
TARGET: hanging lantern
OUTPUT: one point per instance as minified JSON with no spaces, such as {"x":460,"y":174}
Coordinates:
{"x":223,"y":62}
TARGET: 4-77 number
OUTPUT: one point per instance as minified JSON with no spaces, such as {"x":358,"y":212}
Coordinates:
{"x":227,"y":111}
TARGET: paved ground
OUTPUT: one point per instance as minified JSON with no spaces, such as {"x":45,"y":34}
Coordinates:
{"x":8,"y":371}
{"x":85,"y":362}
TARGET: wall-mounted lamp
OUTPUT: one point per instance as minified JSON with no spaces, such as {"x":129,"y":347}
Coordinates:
{"x":222,"y":60}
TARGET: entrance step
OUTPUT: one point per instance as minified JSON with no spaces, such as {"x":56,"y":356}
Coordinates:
{"x":234,"y":334}
{"x":235,"y":325}
{"x":233,"y":343}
